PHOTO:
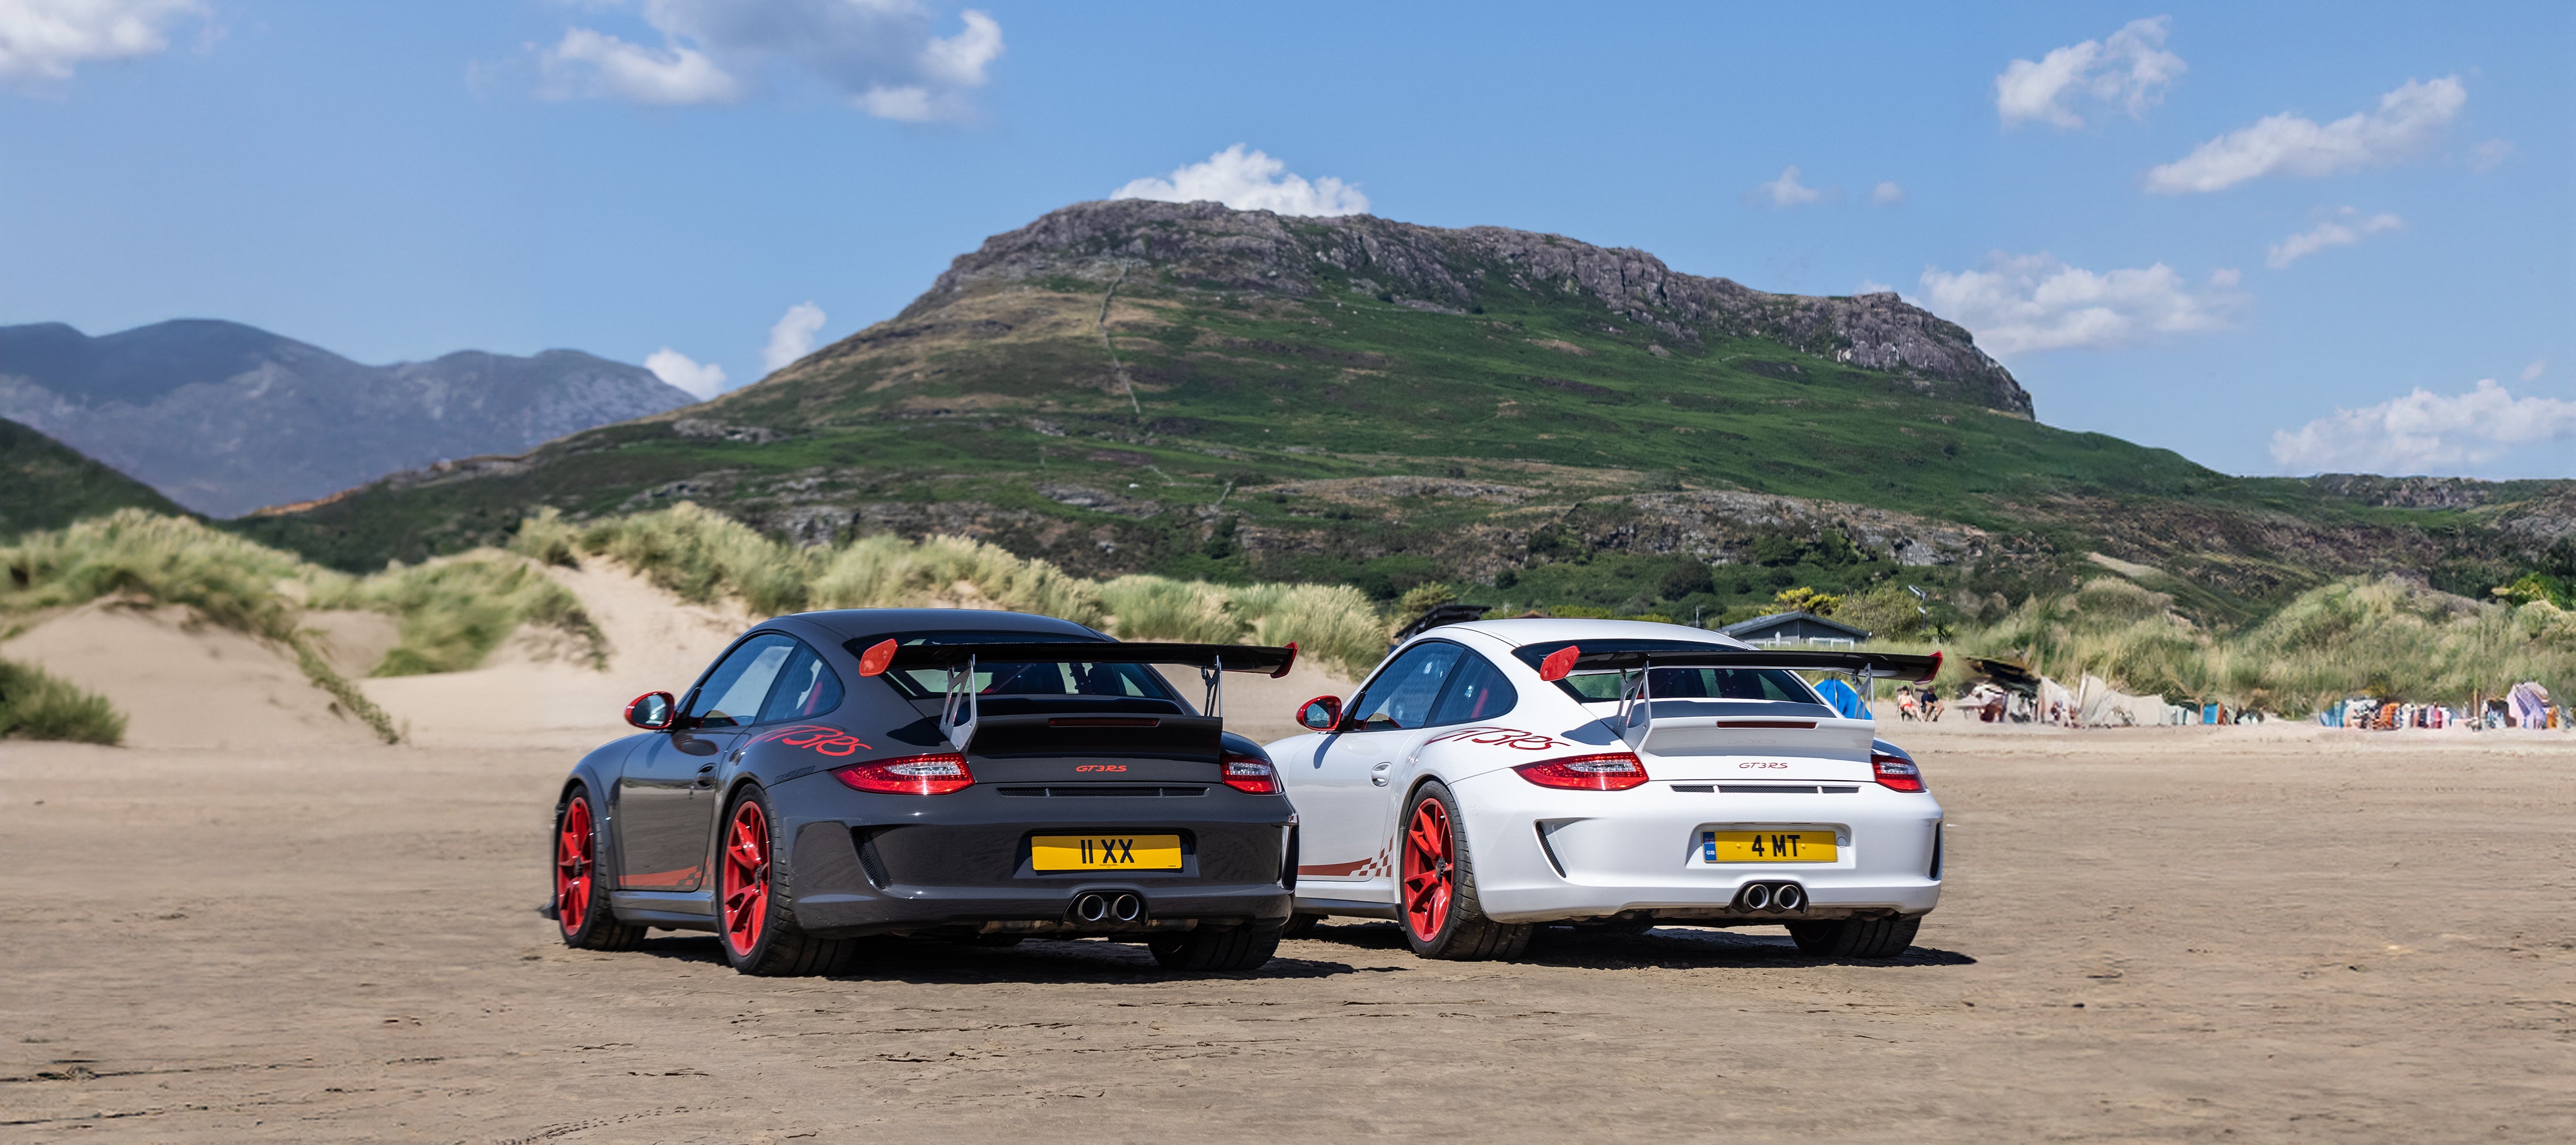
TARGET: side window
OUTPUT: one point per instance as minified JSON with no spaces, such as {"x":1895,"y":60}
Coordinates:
{"x":1401,"y":696}
{"x":806,"y":689}
{"x":1477,"y":691}
{"x":732,"y":694}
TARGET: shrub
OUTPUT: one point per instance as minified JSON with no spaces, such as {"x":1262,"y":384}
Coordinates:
{"x":1159,"y":608}
{"x":1333,"y":623}
{"x":701,"y":555}
{"x":37,"y":705}
{"x":451,"y":612}
{"x":887,"y":572}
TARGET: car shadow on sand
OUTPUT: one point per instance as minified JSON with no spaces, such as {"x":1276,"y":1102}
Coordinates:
{"x":1034,"y":960}
{"x":1669,"y":947}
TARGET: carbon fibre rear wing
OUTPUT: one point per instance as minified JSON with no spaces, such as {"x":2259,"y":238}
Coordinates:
{"x":960,"y":715}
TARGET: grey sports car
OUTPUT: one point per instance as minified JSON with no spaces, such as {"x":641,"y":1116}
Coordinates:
{"x":948,"y":772}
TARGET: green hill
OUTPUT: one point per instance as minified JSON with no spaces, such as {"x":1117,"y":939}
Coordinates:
{"x":1186,"y":389}
{"x":49,"y":485}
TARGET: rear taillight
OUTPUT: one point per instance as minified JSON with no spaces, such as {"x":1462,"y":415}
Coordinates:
{"x":910,"y":775}
{"x":1895,"y":772}
{"x":1615,"y":771}
{"x":1251,"y":774}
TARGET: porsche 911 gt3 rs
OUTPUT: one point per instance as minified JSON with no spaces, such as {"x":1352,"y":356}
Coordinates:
{"x":982,"y":775}
{"x":1499,"y":775}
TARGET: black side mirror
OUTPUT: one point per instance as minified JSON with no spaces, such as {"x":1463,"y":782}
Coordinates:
{"x":653,"y":711}
{"x":1323,"y":713}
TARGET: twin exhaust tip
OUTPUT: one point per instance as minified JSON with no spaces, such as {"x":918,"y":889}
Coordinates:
{"x":1095,"y":907}
{"x":1782,"y":897}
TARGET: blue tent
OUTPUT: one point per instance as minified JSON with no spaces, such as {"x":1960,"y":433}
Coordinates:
{"x":1844,"y":699}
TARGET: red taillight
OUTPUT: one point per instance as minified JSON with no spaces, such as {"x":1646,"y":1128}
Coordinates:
{"x":1251,"y":775}
{"x":910,"y":775}
{"x":1615,"y":771}
{"x":1895,"y":772}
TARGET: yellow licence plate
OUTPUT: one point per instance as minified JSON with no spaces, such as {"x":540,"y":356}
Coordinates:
{"x":1105,"y":852}
{"x":1791,"y":846}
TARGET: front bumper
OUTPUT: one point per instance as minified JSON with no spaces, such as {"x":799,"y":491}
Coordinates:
{"x":1544,"y":855}
{"x":864,"y":864}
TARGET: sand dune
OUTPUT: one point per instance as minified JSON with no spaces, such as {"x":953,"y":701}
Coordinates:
{"x":182,"y":683}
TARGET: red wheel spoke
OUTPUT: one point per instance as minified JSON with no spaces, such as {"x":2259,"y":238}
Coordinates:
{"x":744,"y":877}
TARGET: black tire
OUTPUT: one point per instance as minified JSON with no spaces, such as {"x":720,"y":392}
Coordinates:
{"x":1300,"y":925}
{"x":1230,"y":951}
{"x":779,"y":947}
{"x":598,"y":927}
{"x":1465,"y":934}
{"x":1885,"y":936}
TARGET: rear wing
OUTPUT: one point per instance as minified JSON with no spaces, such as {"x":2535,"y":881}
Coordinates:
{"x":1874,"y":665}
{"x":960,"y":717}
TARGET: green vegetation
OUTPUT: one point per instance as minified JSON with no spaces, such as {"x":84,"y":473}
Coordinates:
{"x":49,"y":485}
{"x":36,"y":705}
{"x":452,"y":612}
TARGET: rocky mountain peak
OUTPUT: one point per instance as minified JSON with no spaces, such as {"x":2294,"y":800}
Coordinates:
{"x":1211,"y":246}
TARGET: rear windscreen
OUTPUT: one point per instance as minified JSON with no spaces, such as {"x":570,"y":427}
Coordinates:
{"x":1778,"y":684}
{"x":1067,"y":677}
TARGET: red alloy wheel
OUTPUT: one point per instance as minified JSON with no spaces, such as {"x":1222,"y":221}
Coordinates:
{"x":574,"y":849}
{"x":745,"y":882}
{"x":1429,"y":878}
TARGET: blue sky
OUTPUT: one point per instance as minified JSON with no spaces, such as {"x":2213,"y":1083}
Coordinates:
{"x":2277,"y":238}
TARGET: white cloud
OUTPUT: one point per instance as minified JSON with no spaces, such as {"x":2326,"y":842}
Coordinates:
{"x":2330,"y":233}
{"x":2424,"y":431}
{"x":882,"y":55}
{"x":2489,"y":155}
{"x":597,"y":65}
{"x":2226,"y":277}
{"x":702,"y":381}
{"x":792,"y":336}
{"x":2406,"y":120}
{"x":2035,"y":302}
{"x":1872,"y":286}
{"x":2130,"y":70}
{"x":1249,"y":181}
{"x":44,"y":40}
{"x":1887,"y":194}
{"x":2532,"y":372}
{"x":1786,"y":191}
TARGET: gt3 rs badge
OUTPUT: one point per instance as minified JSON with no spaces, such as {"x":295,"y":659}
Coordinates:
{"x":814,"y":738}
{"x":1503,"y":737}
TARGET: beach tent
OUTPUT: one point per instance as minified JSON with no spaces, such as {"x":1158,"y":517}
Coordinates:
{"x":1844,"y":699}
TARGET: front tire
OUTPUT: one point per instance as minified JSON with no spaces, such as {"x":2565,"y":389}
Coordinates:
{"x":1885,"y":936}
{"x":582,"y":914}
{"x":1230,"y":951}
{"x":1437,"y":897}
{"x":755,"y":915}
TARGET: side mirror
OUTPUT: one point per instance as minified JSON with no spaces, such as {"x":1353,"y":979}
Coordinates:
{"x":653,"y":711}
{"x":1323,"y":713}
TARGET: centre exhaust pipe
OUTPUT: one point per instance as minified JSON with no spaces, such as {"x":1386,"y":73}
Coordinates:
{"x":1757,"y":897}
{"x":1091,"y":906}
{"x":1127,"y":907}
{"x":1788,"y":897}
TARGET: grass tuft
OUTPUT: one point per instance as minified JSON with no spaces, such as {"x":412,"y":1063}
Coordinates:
{"x":35,"y":704}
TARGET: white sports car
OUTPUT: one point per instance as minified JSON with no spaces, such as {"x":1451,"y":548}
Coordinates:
{"x":1499,"y":775}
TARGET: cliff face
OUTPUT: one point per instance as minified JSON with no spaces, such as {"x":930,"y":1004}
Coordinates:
{"x":1433,"y":268}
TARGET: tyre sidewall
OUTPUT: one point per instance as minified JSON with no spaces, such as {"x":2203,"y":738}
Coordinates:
{"x":597,"y":916}
{"x":775,"y":908}
{"x":1460,"y":869}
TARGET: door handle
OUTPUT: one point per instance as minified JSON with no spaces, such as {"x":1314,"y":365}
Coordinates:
{"x":1377,"y":774}
{"x":706,"y":775}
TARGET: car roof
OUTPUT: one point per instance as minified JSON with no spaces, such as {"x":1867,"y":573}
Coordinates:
{"x":859,"y":623}
{"x":1542,"y":630}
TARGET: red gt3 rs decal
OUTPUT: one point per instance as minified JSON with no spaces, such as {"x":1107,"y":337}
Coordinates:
{"x":1503,"y":737}
{"x":1761,"y":765}
{"x":812,"y":737}
{"x":1102,"y":767}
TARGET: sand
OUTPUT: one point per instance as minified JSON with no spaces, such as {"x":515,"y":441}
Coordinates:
{"x":2148,"y":936}
{"x":259,"y":924}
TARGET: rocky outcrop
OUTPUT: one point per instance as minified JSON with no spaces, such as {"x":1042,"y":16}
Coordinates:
{"x":1210,"y":246}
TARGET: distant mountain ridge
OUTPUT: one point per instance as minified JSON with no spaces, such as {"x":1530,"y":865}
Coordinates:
{"x":48,"y":485}
{"x":225,"y":418}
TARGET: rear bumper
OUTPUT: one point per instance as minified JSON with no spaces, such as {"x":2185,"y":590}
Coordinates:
{"x":866,"y":864}
{"x":1544,"y":855}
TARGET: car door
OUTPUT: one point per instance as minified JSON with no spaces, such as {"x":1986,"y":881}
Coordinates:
{"x":666,"y":798}
{"x":1346,"y":799}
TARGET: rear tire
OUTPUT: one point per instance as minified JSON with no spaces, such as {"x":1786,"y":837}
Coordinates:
{"x":1232,"y":951}
{"x":1882,"y":937}
{"x":1300,"y":925}
{"x":755,"y":894}
{"x":581,"y":911}
{"x":1436,"y":897}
